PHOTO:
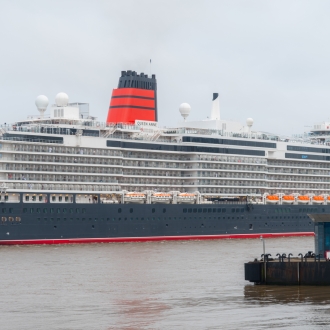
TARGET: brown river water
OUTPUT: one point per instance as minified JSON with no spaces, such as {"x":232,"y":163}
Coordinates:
{"x":157,"y":285}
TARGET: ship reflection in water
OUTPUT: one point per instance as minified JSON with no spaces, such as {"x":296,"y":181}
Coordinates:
{"x":273,"y":294}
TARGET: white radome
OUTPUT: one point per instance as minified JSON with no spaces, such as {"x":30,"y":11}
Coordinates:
{"x":62,"y":99}
{"x":185,"y":109}
{"x":42,"y":102}
{"x":249,"y":122}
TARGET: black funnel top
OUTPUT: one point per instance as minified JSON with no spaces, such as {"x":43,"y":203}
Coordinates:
{"x":130,"y":79}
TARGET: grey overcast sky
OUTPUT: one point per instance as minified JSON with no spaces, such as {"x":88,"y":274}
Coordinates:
{"x":268,"y":60}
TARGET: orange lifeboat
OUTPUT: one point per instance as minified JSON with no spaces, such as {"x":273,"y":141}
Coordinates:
{"x":186,"y":198}
{"x":272,"y":199}
{"x":287,"y":199}
{"x":318,"y":200}
{"x":164,"y":198}
{"x":135,"y":197}
{"x":303,"y":199}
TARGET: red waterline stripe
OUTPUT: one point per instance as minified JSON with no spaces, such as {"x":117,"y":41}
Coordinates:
{"x":148,"y":239}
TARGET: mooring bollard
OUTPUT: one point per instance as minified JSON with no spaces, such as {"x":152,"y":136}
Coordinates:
{"x":268,"y":255}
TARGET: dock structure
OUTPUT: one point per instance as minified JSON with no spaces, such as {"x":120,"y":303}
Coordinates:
{"x":309,"y":269}
{"x":296,"y":271}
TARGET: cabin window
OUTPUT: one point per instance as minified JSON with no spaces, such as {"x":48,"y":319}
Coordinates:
{"x":60,"y":198}
{"x":27,"y":198}
{"x":34,"y":198}
{"x":53,"y":198}
{"x":40,"y":198}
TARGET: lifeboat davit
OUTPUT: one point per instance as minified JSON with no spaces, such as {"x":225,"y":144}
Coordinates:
{"x":303,"y":199}
{"x":272,"y":199}
{"x":163,"y":198}
{"x":287,"y":199}
{"x":318,"y":200}
{"x":186,"y":198}
{"x":135,"y":197}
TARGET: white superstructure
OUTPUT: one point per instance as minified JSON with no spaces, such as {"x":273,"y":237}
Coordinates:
{"x":71,"y":152}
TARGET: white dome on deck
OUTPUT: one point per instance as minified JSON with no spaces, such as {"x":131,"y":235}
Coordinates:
{"x":249,"y":122}
{"x":185,"y":109}
{"x":42,"y":102}
{"x":62,"y":99}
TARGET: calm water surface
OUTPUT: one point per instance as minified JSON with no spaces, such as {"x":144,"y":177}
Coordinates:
{"x":158,"y":285}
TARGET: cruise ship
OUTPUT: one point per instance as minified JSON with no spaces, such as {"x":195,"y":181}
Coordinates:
{"x":66,"y":177}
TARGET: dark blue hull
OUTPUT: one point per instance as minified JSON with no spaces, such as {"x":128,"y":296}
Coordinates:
{"x":42,"y":222}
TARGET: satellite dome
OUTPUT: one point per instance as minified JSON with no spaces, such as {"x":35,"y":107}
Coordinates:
{"x":249,"y":122}
{"x":62,"y":99}
{"x":185,"y":110}
{"x":42,"y":102}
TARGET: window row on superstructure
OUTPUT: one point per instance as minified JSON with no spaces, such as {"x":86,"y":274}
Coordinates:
{"x":298,"y":164}
{"x":51,"y":186}
{"x":42,"y":167}
{"x":61,"y":149}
